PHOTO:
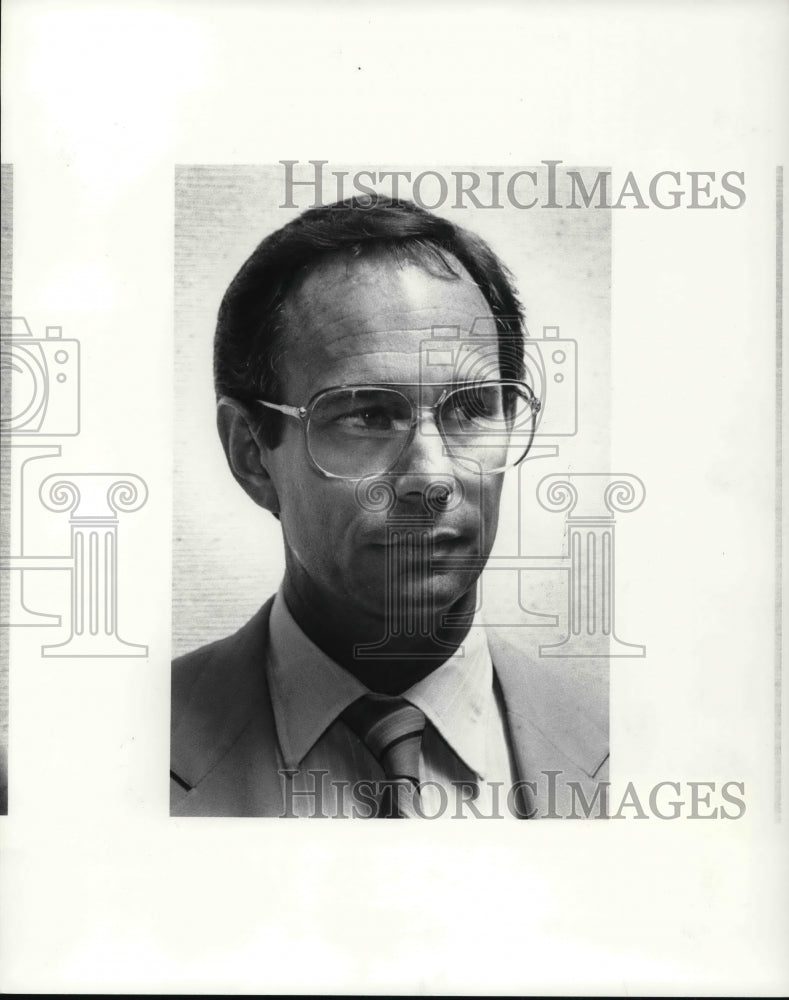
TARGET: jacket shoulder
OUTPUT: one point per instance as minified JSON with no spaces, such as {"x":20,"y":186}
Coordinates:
{"x":215,"y":691}
{"x":563,"y":700}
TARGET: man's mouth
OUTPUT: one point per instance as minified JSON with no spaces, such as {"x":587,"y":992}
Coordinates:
{"x":446,"y":542}
{"x":417,"y":541}
{"x":439,"y":552}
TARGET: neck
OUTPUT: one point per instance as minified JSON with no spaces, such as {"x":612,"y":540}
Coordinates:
{"x":397,"y":660}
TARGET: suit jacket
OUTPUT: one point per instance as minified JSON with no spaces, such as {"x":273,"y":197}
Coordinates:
{"x":225,"y":753}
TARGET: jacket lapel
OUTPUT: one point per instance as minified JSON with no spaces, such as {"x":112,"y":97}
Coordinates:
{"x":557,"y":712}
{"x":225,"y":754}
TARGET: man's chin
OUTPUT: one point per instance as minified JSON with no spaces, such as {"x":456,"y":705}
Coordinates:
{"x":417,"y":598}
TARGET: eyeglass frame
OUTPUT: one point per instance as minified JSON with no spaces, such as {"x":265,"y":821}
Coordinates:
{"x":302,"y":414}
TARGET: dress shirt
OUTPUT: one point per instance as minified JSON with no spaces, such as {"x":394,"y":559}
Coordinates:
{"x":466,"y":766}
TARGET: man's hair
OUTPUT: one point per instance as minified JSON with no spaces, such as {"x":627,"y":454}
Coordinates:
{"x":250,"y":324}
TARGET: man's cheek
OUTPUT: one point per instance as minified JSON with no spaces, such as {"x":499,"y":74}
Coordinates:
{"x":489,"y":512}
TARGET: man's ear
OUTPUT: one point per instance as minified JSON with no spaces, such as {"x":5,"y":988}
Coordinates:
{"x":246,"y":452}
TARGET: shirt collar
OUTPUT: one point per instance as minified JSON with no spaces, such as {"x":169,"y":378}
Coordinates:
{"x":457,"y":698}
{"x":309,"y":691}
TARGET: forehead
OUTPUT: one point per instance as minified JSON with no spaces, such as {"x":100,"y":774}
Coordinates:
{"x":372,"y":320}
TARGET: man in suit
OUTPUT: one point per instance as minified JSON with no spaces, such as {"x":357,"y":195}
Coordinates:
{"x":369,"y":369}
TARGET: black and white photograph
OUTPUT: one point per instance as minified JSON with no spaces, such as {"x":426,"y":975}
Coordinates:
{"x":392,"y":428}
{"x":373,"y":674}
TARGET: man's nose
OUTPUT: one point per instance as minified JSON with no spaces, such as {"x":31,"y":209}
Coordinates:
{"x":425,"y":470}
{"x":426,"y":453}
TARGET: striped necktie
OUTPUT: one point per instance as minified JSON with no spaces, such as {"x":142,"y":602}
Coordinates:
{"x":391,"y":729}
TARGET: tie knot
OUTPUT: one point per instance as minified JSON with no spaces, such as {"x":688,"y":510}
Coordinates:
{"x":392,"y":729}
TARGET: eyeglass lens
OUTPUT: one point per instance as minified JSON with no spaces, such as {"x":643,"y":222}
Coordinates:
{"x":355,"y":432}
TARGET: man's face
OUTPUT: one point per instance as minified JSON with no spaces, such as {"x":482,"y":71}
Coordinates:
{"x":364,"y":322}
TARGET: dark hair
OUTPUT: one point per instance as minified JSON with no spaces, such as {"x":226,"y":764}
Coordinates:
{"x":250,"y":316}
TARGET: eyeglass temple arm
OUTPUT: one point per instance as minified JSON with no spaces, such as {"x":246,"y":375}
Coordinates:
{"x":292,"y":411}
